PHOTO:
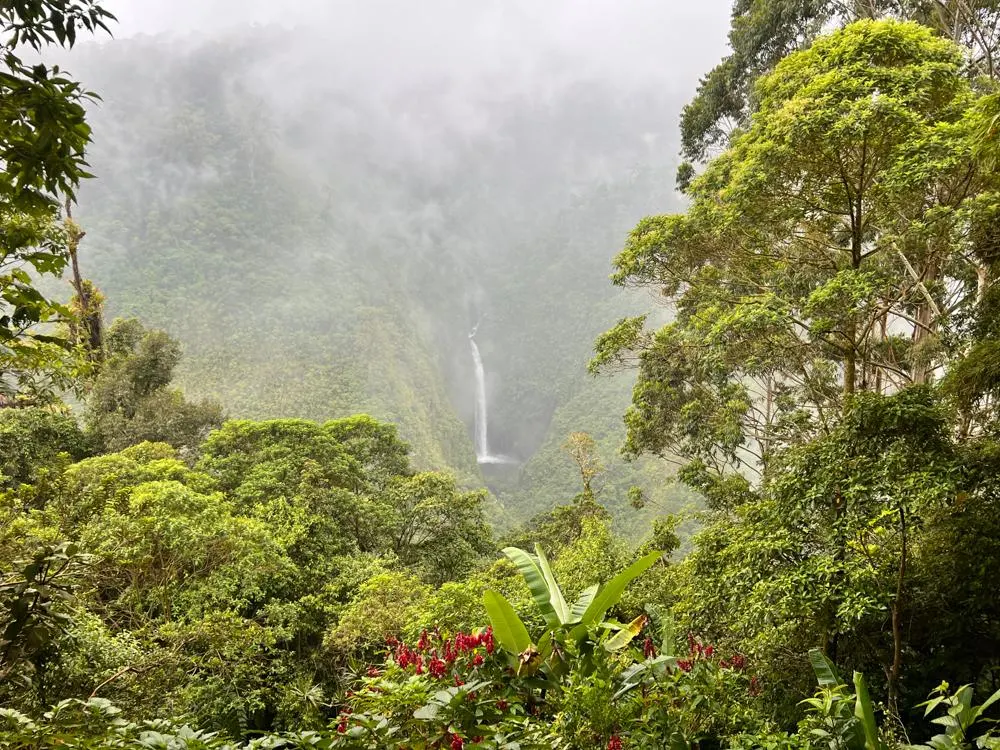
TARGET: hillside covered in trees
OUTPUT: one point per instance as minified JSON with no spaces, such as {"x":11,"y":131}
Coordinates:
{"x":321,"y":250}
{"x":322,"y":426}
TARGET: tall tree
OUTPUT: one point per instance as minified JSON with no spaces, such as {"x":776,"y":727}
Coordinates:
{"x":43,"y":135}
{"x":131,"y":400}
{"x":762,"y":32}
{"x":823,"y":254}
{"x":582,"y":448}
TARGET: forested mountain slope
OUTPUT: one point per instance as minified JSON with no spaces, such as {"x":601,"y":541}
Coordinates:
{"x":322,"y":249}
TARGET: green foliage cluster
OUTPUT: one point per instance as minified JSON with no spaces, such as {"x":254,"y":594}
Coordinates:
{"x":763,"y":32}
{"x":212,"y":590}
{"x":826,"y":378}
{"x":43,"y":135}
{"x":129,"y":400}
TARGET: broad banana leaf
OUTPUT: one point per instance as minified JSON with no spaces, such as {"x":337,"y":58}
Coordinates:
{"x":826,"y":670}
{"x":556,"y":598}
{"x":507,"y":626}
{"x":865,"y":713}
{"x":580,"y":605}
{"x":624,"y":636}
{"x":537,"y":584}
{"x":612,"y":591}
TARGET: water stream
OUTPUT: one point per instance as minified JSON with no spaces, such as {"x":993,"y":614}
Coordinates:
{"x":482,"y":440}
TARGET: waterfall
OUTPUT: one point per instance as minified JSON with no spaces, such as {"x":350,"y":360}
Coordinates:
{"x":483,"y":454}
{"x":482,"y":424}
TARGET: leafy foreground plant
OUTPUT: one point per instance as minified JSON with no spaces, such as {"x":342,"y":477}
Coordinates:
{"x":959,"y":719}
{"x":584,"y":682}
{"x":843,"y":720}
{"x":588,"y":683}
{"x":568,"y":629}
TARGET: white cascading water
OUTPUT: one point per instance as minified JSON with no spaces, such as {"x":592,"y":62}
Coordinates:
{"x":482,"y":433}
{"x":483,"y":454}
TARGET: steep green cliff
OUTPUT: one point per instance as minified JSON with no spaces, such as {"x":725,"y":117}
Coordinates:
{"x":321,"y":251}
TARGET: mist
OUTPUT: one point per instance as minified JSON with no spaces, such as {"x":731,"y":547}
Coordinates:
{"x":322,"y":203}
{"x":630,"y":39}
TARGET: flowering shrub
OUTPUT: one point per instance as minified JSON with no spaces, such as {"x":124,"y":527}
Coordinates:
{"x":444,"y":691}
{"x":458,"y":693}
{"x":642,"y":698}
{"x":704,"y":696}
{"x":461,"y":691}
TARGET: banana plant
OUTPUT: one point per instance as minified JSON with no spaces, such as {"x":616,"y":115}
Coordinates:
{"x":860,"y":731}
{"x":565,"y":624}
{"x":958,"y":720}
{"x":842,"y":727}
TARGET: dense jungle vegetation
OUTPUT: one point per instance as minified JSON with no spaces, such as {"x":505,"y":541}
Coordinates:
{"x":225,"y":550}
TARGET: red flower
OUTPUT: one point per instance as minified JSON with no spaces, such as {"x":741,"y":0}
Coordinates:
{"x":373,"y":672}
{"x":404,"y":656}
{"x":738,"y":661}
{"x":437,"y":668}
{"x":459,"y":681}
{"x":457,"y":743}
{"x":615,"y":743}
{"x":502,"y":704}
{"x":684,"y":665}
{"x":755,"y":688}
{"x":648,"y":648}
{"x":422,"y":643}
{"x":709,"y":650}
{"x":477,"y":660}
{"x":487,"y":640}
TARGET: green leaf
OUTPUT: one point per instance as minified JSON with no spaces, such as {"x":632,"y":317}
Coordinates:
{"x":667,"y":630}
{"x":826,"y":670}
{"x":612,"y":591}
{"x":507,"y":626}
{"x":556,"y":598}
{"x":624,"y":636}
{"x":981,"y":709}
{"x":537,"y":584}
{"x":864,"y":710}
{"x":428,"y":712}
{"x":580,"y":605}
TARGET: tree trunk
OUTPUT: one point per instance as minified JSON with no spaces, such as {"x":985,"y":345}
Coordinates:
{"x":926,"y":318}
{"x":850,"y":362}
{"x":897,"y":625}
{"x":89,"y":330}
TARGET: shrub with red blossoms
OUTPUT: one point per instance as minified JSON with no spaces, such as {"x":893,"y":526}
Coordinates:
{"x":442,"y":690}
{"x":464,"y":666}
{"x":439,"y":655}
{"x":698,"y":651}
